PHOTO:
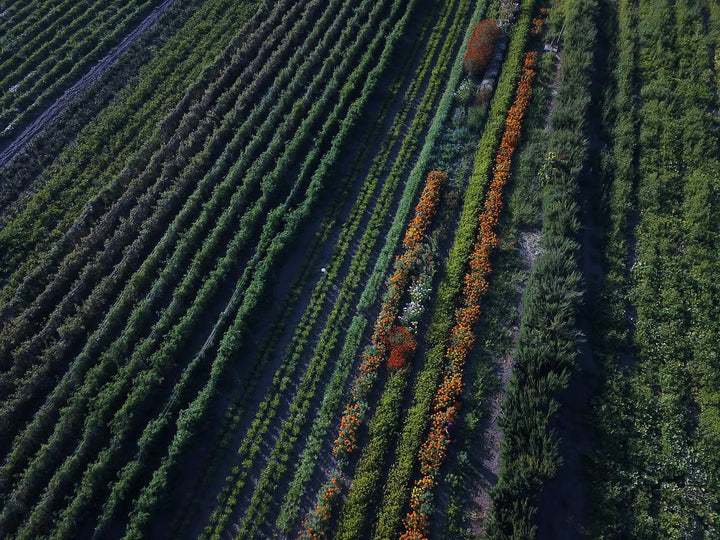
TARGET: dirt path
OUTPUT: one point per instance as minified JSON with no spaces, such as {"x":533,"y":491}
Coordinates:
{"x":528,"y":245}
{"x":528,"y":248}
{"x":15,"y":146}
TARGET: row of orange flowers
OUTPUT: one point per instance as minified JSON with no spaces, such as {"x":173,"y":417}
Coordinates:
{"x":373,"y":356}
{"x":432,"y":453}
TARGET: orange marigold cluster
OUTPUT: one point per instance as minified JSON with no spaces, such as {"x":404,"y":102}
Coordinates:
{"x":316,"y":525}
{"x":374,"y":355}
{"x":432,"y":453}
{"x":425,"y":209}
{"x":538,"y":22}
{"x":386,"y":336}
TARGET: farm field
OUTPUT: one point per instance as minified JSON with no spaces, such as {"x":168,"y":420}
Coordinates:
{"x":374,"y":269}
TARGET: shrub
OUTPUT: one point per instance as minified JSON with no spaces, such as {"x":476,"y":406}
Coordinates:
{"x":402,"y":345}
{"x":476,"y":118}
{"x":480,"y":47}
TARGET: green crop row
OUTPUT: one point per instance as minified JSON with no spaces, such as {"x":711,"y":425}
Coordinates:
{"x":210,"y":90}
{"x":398,"y":484}
{"x":189,"y":375}
{"x":22,"y":17}
{"x":118,"y":315}
{"x":161,"y":360}
{"x":21,"y":175}
{"x":330,"y":335}
{"x":120,"y":271}
{"x":659,"y":416}
{"x":268,"y":408}
{"x":35,"y":28}
{"x":193,"y":238}
{"x":251,"y":376}
{"x":63,"y":61}
{"x":500,"y":312}
{"x":278,"y":242}
{"x":367,"y":478}
{"x":116,"y":140}
{"x":250,"y":379}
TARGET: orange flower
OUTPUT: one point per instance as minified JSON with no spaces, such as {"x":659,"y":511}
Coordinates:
{"x":432,"y":453}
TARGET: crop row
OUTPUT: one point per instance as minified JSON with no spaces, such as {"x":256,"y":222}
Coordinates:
{"x":19,"y":17}
{"x":250,"y":377}
{"x":20,"y":173}
{"x":162,"y":165}
{"x":61,"y":60}
{"x":119,"y":313}
{"x":188,"y":377}
{"x":546,"y":349}
{"x":268,"y":409}
{"x":375,"y":354}
{"x":356,"y":512}
{"x":467,"y":315}
{"x":343,"y":302}
{"x":102,"y":295}
{"x":79,"y":183}
{"x":353,"y":514}
{"x":398,"y":483}
{"x":236,"y":410}
{"x":669,"y":393}
{"x":511,"y":269}
{"x":278,"y":234}
{"x":188,"y":318}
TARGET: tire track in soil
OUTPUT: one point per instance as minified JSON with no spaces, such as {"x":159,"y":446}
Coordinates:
{"x":49,"y":114}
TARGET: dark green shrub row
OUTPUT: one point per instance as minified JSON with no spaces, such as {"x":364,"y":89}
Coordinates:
{"x":49,"y":419}
{"x":234,"y":413}
{"x":547,"y":345}
{"x":330,"y":334}
{"x":397,"y":486}
{"x":191,"y":240}
{"x":188,"y":423}
{"x":21,"y":174}
{"x":185,"y":132}
{"x":21,"y":17}
{"x":41,"y":22}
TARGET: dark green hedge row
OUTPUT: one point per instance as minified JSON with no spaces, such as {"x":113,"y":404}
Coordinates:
{"x":548,"y":341}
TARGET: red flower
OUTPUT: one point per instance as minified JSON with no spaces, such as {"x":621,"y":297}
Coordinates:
{"x":480,"y":47}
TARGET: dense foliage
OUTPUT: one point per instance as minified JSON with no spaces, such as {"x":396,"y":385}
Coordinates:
{"x":479,"y":49}
{"x":373,"y":269}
